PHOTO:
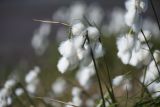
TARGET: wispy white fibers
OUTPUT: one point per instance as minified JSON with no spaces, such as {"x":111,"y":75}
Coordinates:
{"x":77,"y":28}
{"x":147,"y":35}
{"x":32,"y":80}
{"x":59,"y":86}
{"x":40,"y":38}
{"x":132,"y":51}
{"x":133,"y":16}
{"x":67,"y":48}
{"x":125,"y":45}
{"x":75,"y":53}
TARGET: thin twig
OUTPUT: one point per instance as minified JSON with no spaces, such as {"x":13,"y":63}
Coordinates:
{"x":58,"y":101}
{"x":53,"y":22}
{"x":126,"y":97}
{"x":144,"y":77}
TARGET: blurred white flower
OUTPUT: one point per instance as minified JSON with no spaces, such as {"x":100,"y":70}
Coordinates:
{"x":140,"y":55}
{"x":67,"y":48}
{"x":125,"y":45}
{"x":9,"y":84}
{"x":19,"y":91}
{"x":76,"y":96}
{"x":84,"y":75}
{"x":63,"y":65}
{"x":59,"y":86}
{"x":77,"y":29}
{"x":32,"y":80}
{"x":93,"y":33}
{"x":5,"y":99}
{"x":40,"y":38}
{"x":133,"y":16}
{"x":118,"y":80}
{"x":116,"y":18}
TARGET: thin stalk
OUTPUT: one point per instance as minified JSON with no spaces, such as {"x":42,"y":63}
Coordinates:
{"x":25,"y":91}
{"x":150,"y":51}
{"x":96,"y":69}
{"x":154,"y":11}
{"x":58,"y":101}
{"x":52,"y":22}
{"x":108,"y":90}
{"x":126,"y":97}
{"x":18,"y":99}
{"x":109,"y":77}
{"x":144,"y":77}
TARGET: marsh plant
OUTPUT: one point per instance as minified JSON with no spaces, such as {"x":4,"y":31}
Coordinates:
{"x":114,"y":64}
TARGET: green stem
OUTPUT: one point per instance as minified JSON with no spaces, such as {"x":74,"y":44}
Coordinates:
{"x":96,"y":69}
{"x":25,"y":91}
{"x":150,"y":51}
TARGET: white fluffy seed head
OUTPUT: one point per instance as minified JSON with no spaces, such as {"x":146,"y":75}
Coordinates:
{"x":98,"y":50}
{"x":63,"y":65}
{"x":77,"y":29}
{"x":147,"y":35}
{"x":66,"y":48}
{"x":93,"y":33}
